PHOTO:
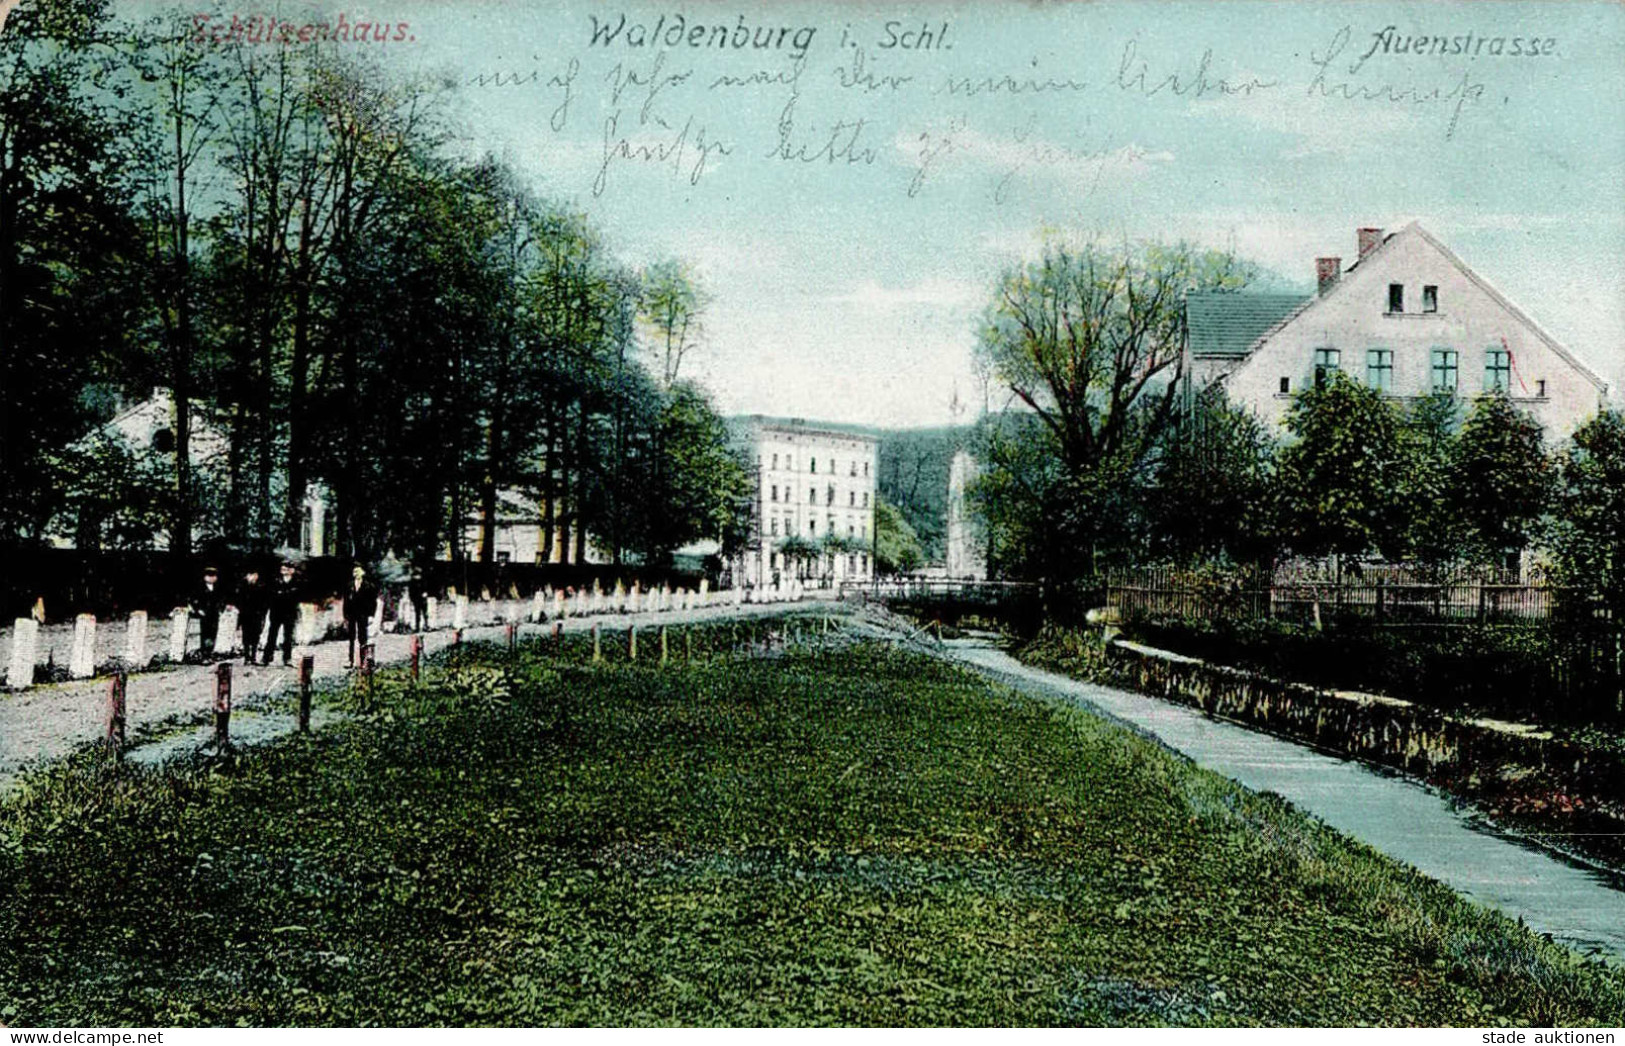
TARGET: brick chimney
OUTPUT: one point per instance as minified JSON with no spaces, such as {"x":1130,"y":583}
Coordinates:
{"x":1327,"y":273}
{"x":1370,"y":240}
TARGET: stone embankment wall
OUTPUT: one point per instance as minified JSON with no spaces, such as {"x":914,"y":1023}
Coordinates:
{"x":1474,"y":757}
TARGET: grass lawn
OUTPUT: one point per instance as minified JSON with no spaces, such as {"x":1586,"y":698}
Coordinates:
{"x":857,"y":836}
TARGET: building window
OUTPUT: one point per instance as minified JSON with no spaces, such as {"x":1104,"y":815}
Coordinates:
{"x":1497,"y":369}
{"x":1379,"y":369}
{"x":863,"y":557}
{"x":775,"y":492}
{"x":865,"y":468}
{"x":1444,"y":370}
{"x":1396,"y":297}
{"x":1540,"y":388}
{"x":812,"y":495}
{"x":773,"y":527}
{"x":812,"y":465}
{"x":775,"y":461}
{"x":1327,"y":363}
{"x":790,"y":462}
{"x":812,"y":526}
{"x":852,"y":498}
{"x":504,"y":557}
{"x":851,"y":531}
{"x":1430,"y":298}
{"x":866,"y":500}
{"x":854,"y":467}
{"x":829,"y":495}
{"x":1286,"y":386}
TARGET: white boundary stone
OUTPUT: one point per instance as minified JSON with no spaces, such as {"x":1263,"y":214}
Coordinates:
{"x":135,"y":640}
{"x":24,"y":651}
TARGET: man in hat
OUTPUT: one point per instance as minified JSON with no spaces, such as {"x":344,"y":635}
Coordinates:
{"x":283,"y":603}
{"x":360,"y":603}
{"x":208,"y":599}
{"x":417,"y":591}
{"x":251,"y":611}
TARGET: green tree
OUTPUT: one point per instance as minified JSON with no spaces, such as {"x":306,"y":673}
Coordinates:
{"x":1435,"y":534}
{"x":699,"y":487}
{"x":1209,"y":495}
{"x":66,"y":289}
{"x":1340,"y":476}
{"x":1502,"y":478}
{"x":673,"y":305}
{"x":1091,"y":342}
{"x":897,"y":547}
{"x":1588,"y":536}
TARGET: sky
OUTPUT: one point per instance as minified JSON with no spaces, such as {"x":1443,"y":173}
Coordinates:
{"x":849,"y":192}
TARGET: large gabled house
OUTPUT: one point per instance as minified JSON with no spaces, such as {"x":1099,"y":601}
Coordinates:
{"x":1408,"y":317}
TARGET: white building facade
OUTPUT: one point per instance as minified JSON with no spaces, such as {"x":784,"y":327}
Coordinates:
{"x":813,"y":504}
{"x":1408,"y":317}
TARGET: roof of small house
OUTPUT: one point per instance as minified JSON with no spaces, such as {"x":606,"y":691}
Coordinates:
{"x":1227,"y":323}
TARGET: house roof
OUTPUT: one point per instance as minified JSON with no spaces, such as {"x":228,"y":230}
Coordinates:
{"x":1227,"y":323}
{"x":1415,"y":228}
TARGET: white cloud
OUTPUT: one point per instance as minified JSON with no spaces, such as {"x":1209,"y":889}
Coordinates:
{"x":941,"y":292}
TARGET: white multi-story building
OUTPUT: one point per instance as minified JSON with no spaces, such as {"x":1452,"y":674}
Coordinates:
{"x":813,"y":508}
{"x":1408,"y":317}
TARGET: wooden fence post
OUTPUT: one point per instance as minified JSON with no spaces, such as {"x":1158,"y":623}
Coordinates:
{"x":307,"y":669}
{"x":115,"y":715}
{"x":456,"y":637}
{"x":222,"y":706}
{"x":558,"y":638}
{"x":632,"y":643}
{"x":512,"y":631}
{"x":368,"y":660}
{"x":597,"y":649}
{"x":663,"y":655}
{"x":416,"y":648}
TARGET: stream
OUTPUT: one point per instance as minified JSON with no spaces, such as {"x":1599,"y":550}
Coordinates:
{"x":1578,"y":905}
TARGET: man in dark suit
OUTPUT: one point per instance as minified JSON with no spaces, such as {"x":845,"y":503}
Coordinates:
{"x":360,"y":604}
{"x":251,"y":611}
{"x":208,"y":599}
{"x":284,"y":610}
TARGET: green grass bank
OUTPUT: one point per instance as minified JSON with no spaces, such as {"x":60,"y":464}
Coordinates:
{"x":810,"y":837}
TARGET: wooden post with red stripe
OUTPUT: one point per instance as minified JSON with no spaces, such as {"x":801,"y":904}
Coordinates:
{"x":307,"y":669}
{"x":115,"y":715}
{"x":222,"y":706}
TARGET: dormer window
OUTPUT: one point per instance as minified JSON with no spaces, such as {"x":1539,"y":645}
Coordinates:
{"x":1396,"y":297}
{"x":1430,"y":298}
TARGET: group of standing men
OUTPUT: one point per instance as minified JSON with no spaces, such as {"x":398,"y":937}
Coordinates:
{"x":274,"y":608}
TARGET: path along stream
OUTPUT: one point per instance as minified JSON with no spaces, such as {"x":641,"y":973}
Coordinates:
{"x":1579,"y":906}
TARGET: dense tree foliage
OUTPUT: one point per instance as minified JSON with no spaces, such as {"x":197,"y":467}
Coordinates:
{"x":288,"y":241}
{"x":1210,"y":494}
{"x":1090,"y":341}
{"x":897,"y":547}
{"x":1589,"y":531}
{"x":1341,"y":473}
{"x":1503,"y":478}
